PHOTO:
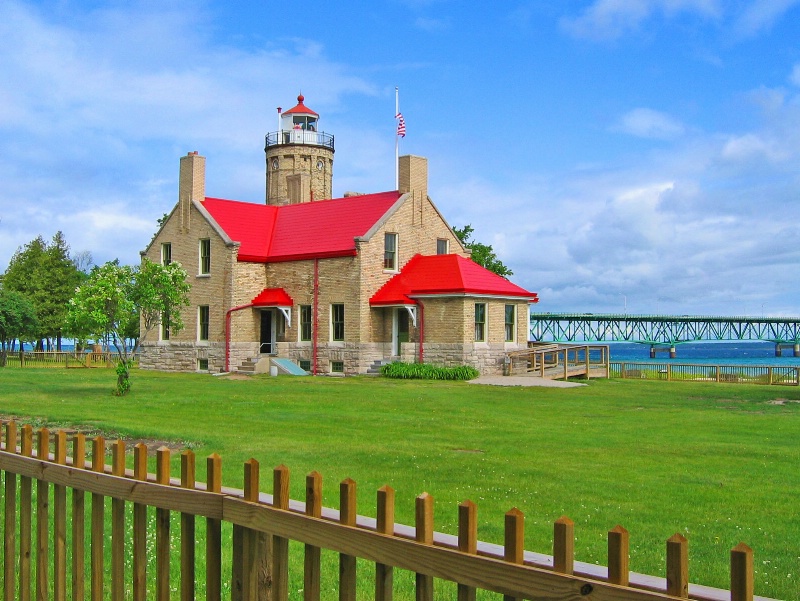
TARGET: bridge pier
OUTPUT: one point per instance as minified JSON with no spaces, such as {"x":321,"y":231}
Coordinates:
{"x":779,"y":346}
{"x":654,"y":349}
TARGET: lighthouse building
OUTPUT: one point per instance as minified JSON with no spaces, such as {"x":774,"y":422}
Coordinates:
{"x":330,"y":286}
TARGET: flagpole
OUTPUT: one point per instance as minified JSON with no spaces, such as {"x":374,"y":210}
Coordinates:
{"x":396,"y":141}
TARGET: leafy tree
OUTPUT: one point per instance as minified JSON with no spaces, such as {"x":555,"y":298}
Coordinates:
{"x":17,"y":320}
{"x":47,"y":276}
{"x":104,"y":306}
{"x":482,"y":254}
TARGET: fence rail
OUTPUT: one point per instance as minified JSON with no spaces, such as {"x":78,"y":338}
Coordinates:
{"x":62,"y":359}
{"x":263,"y":525}
{"x":736,"y":374}
{"x":560,"y":361}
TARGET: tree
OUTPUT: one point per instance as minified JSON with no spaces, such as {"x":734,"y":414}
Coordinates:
{"x":17,"y":320}
{"x":104,"y":306}
{"x":47,"y":276}
{"x":482,"y":254}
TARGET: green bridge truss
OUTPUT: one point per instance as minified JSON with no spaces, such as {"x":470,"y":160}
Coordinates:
{"x":660,"y":329}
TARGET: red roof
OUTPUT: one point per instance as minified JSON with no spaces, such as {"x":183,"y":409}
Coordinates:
{"x":300,"y":108}
{"x":445,"y":275}
{"x":272,"y":297}
{"x":311,"y":230}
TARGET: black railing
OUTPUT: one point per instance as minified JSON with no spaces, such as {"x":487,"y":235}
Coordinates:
{"x":298,"y":136}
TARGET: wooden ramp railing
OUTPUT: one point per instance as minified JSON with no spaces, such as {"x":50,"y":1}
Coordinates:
{"x":45,"y":542}
{"x":561,"y":361}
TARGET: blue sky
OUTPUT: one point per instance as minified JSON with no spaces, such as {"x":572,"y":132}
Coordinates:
{"x":639,"y":153}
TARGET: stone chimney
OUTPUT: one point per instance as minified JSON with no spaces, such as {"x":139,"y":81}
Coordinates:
{"x":191,"y":186}
{"x":413,"y":172}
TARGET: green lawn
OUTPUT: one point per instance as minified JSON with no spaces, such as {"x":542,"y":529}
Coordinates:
{"x":718,"y":463}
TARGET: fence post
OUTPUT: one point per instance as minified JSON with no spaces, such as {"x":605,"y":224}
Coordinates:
{"x":467,"y":541}
{"x":78,"y":520}
{"x":564,"y":545}
{"x":118,"y":526}
{"x":10,"y":516}
{"x":313,"y":555}
{"x":678,"y":566}
{"x":98,"y":523}
{"x":188,"y":480}
{"x":213,"y":533}
{"x":384,"y":575}
{"x":741,"y":573}
{"x":140,"y":527}
{"x":162,"y":529}
{"x":25,"y":506}
{"x":280,"y":545}
{"x":42,"y":519}
{"x":60,"y":523}
{"x":423,"y":511}
{"x":245,"y":572}
{"x":347,"y":563}
{"x":618,"y":556}
{"x":514,"y":540}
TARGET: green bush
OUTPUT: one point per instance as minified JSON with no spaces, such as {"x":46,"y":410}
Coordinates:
{"x":426,"y":371}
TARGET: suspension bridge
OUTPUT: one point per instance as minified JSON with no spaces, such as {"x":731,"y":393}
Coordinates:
{"x":664,"y":332}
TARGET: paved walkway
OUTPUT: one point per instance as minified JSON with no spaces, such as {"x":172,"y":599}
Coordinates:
{"x":523,"y":381}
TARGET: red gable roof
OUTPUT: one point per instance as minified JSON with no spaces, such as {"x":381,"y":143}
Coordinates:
{"x":445,"y":275}
{"x":311,"y":230}
{"x":300,"y":108}
{"x":272,"y":297}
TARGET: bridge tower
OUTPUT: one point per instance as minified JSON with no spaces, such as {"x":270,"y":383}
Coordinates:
{"x":299,"y":158}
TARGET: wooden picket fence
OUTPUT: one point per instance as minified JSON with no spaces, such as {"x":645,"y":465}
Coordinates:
{"x":38,"y":554}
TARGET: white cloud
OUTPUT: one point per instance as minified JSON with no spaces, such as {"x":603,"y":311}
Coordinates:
{"x":648,"y":123}
{"x":610,"y":19}
{"x":795,"y":76}
{"x":752,"y":146}
{"x":760,"y":15}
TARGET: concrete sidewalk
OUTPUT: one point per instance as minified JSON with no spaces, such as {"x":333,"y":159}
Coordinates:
{"x":523,"y":381}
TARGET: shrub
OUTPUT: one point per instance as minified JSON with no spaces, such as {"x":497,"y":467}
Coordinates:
{"x":426,"y":371}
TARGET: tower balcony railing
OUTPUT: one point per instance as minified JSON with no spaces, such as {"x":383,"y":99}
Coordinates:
{"x":298,"y":136}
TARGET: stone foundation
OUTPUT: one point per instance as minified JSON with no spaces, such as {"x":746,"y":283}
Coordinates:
{"x":181,"y":356}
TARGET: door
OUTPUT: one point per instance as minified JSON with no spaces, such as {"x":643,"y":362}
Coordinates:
{"x":267,"y":332}
{"x":400,"y":330}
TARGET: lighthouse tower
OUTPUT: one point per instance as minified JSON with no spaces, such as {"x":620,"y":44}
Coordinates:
{"x":299,"y":158}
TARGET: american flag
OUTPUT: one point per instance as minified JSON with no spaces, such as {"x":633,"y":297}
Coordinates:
{"x":401,"y":125}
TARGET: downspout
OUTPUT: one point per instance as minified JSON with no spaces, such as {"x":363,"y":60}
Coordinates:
{"x":421,"y":320}
{"x":315,"y":323}
{"x":228,"y":334}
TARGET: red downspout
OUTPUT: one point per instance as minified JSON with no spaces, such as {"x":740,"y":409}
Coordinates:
{"x":315,"y":323}
{"x":421,"y":319}
{"x":228,"y":334}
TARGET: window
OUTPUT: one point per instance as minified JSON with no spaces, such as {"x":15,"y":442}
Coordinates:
{"x":205,"y":256}
{"x":442,"y":246}
{"x":337,"y":367}
{"x":305,"y":364}
{"x":337,"y":322}
{"x":202,"y":364}
{"x":510,"y":323}
{"x":305,"y":323}
{"x":166,"y":253}
{"x":480,"y":322}
{"x":202,"y":322}
{"x":165,"y":326}
{"x":390,"y":252}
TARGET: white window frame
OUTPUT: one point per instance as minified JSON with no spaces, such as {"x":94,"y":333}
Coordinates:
{"x":204,"y":264}
{"x":513,"y":322}
{"x":166,"y":253}
{"x":446,"y":246}
{"x":393,"y":253}
{"x":481,"y":337}
{"x":333,"y":323}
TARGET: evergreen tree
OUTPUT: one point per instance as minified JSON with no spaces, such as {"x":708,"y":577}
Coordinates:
{"x":17,"y":321}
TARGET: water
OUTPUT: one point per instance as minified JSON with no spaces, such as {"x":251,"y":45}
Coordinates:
{"x":713,"y":353}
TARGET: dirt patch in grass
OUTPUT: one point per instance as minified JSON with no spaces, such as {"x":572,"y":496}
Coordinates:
{"x":233,"y":376}
{"x":782,"y":401}
{"x":174,"y":446}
